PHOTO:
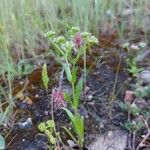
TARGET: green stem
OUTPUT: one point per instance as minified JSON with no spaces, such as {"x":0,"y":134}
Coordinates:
{"x":61,"y":51}
{"x":70,"y":134}
{"x":85,"y":66}
{"x":81,"y":144}
{"x":73,"y":95}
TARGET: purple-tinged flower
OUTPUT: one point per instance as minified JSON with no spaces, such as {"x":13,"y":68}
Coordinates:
{"x":58,"y":99}
{"x":78,"y":40}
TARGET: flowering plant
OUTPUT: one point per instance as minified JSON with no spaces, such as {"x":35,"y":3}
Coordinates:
{"x":70,"y":49}
{"x":58,"y":98}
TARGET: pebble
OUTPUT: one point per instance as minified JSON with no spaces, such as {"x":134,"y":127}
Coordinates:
{"x":129,"y":96}
{"x":144,"y":59}
{"x":24,"y":105}
{"x":90,"y":97}
{"x":41,"y":142}
{"x":144,"y":77}
{"x":27,"y":124}
{"x":116,"y":139}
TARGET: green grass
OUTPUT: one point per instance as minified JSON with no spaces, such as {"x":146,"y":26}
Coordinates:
{"x":22,"y":20}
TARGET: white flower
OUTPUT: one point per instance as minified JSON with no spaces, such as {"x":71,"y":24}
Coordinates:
{"x":73,"y":31}
{"x":142,"y":44}
{"x":93,"y":40}
{"x":60,"y":40}
{"x":85,"y":34}
{"x":50,"y":34}
{"x":125,"y":45}
{"x":134,"y":47}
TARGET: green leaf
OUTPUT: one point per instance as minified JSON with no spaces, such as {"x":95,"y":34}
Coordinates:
{"x":70,"y":115}
{"x":5,"y":114}
{"x":1,"y":118}
{"x":80,"y":53}
{"x":68,"y":72}
{"x":74,"y":74}
{"x":24,"y":67}
{"x":45,"y":78}
{"x":134,"y":110}
{"x":123,"y":106}
{"x":78,"y":91}
{"x":67,"y":98}
{"x":142,"y":92}
{"x":78,"y":125}
{"x":2,"y":142}
{"x":70,"y":134}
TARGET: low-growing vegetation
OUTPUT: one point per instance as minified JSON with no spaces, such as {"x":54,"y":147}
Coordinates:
{"x":73,"y":71}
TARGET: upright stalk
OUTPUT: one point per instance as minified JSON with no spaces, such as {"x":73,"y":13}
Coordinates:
{"x":85,"y":72}
{"x":73,"y":94}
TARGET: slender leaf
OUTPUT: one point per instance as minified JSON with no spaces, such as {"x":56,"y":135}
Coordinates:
{"x":78,"y":91}
{"x":68,"y":72}
{"x":80,"y":53}
{"x":74,"y":74}
{"x":45,"y":78}
{"x":70,"y":115}
{"x":70,"y":134}
{"x":2,"y":142}
{"x":67,"y":98}
{"x":78,"y":125}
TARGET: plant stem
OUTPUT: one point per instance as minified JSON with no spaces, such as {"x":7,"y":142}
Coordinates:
{"x":145,"y":138}
{"x":81,"y":144}
{"x":70,"y":134}
{"x":84,"y":66}
{"x":60,"y":50}
{"x":112,"y":96}
{"x":133,"y":142}
{"x":73,"y":93}
{"x":52,"y":114}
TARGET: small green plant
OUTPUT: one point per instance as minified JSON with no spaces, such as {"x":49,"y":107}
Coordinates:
{"x":70,"y":49}
{"x":131,"y":108}
{"x":134,"y":126}
{"x":48,"y":128}
{"x":23,"y":68}
{"x":78,"y":127}
{"x":133,"y":67}
{"x":142,"y":92}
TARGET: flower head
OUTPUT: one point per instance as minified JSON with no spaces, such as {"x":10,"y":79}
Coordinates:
{"x":58,"y":98}
{"x":73,"y":31}
{"x":78,"y":40}
{"x":142,"y":44}
{"x":50,"y":34}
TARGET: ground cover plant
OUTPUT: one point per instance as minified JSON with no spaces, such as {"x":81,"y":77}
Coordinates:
{"x":73,"y":74}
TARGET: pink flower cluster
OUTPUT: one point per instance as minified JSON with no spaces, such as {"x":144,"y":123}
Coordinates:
{"x":58,"y":99}
{"x":78,"y":40}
